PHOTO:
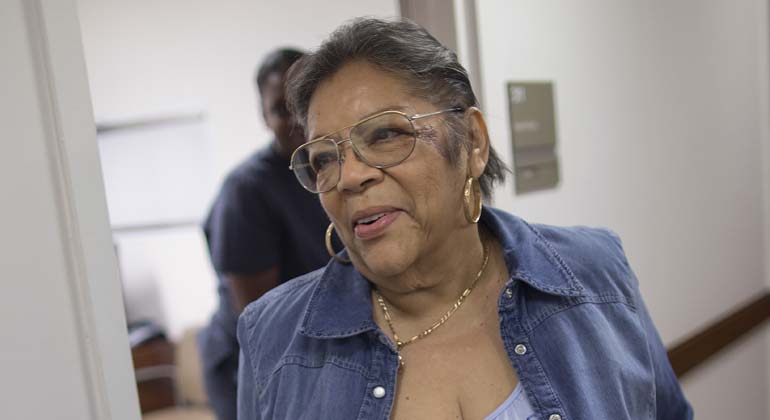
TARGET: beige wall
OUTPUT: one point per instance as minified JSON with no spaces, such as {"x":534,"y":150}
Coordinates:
{"x":662,"y":122}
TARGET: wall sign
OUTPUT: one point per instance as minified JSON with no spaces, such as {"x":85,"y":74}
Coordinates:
{"x":533,"y":134}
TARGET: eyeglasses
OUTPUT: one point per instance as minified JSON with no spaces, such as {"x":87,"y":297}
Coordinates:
{"x":381,"y":141}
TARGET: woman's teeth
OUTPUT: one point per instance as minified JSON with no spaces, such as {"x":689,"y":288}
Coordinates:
{"x":370,"y":219}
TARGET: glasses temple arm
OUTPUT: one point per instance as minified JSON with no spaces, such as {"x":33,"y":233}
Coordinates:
{"x":430,"y":114}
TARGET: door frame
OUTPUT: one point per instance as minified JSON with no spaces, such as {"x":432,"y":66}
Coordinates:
{"x":93,"y":278}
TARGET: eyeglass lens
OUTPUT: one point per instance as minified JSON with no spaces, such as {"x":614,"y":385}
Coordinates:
{"x":381,"y":141}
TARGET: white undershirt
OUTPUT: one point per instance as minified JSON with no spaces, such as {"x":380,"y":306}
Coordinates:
{"x":515,"y":407}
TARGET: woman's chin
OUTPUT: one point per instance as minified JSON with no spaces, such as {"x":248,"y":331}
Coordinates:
{"x":385,"y":260}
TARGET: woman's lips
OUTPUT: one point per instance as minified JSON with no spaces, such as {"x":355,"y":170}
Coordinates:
{"x":376,"y":228}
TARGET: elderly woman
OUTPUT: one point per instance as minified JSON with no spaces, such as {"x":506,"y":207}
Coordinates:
{"x":437,"y":308}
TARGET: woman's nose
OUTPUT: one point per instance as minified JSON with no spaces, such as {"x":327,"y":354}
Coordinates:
{"x":355,"y":174}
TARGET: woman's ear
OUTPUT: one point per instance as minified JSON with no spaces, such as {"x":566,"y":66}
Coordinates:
{"x":478,"y":138}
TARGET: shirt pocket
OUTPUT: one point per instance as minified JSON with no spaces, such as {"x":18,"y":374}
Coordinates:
{"x":313,"y":389}
{"x":597,"y":361}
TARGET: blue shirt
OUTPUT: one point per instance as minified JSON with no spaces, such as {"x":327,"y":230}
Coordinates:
{"x":571,"y":318}
{"x":261,"y":218}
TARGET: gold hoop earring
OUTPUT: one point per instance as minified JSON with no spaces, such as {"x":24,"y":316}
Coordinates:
{"x":329,"y":247}
{"x":472,"y":200}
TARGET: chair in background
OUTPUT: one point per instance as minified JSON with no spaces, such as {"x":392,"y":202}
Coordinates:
{"x":189,"y":395}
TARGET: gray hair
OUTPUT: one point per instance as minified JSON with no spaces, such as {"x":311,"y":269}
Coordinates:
{"x":409,"y":52}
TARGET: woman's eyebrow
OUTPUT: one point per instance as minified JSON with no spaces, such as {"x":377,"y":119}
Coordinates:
{"x":401,"y":108}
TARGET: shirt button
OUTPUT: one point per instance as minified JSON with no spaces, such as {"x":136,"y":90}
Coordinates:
{"x":379,"y":392}
{"x":521,"y":350}
{"x":554,"y":417}
{"x":508,"y":293}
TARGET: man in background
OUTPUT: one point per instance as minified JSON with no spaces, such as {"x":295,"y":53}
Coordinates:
{"x":263,"y":229}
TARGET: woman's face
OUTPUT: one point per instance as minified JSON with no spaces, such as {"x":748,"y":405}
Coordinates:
{"x":417,"y":204}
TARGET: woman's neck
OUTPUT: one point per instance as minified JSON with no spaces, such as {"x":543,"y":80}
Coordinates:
{"x":437,"y":279}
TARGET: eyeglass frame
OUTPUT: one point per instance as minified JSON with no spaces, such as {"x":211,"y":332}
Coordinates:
{"x":341,"y":156}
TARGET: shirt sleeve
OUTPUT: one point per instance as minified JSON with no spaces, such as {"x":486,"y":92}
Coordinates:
{"x":671,"y":403}
{"x":242,"y":231}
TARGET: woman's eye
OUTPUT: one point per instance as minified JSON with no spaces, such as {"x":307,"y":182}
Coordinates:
{"x":387,"y":133}
{"x":322,"y":160}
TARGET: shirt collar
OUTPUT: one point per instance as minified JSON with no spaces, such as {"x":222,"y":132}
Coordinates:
{"x":341,"y":303}
{"x":530,"y":257}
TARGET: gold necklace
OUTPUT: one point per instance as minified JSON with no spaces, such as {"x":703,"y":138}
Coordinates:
{"x":401,"y":344}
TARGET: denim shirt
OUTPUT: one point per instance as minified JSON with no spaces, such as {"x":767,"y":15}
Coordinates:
{"x":571,"y":318}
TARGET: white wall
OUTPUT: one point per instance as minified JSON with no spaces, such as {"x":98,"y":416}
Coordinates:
{"x":147,"y":56}
{"x":150,"y":58}
{"x":662,"y":125}
{"x":159,"y":183}
{"x":64,"y":351}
